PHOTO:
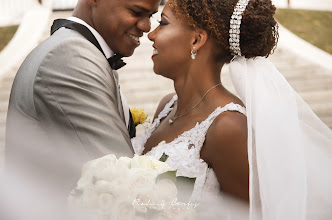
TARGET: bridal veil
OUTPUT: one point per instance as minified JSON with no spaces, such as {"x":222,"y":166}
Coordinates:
{"x":289,"y":147}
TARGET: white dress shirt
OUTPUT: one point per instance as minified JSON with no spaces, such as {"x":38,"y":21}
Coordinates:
{"x":108,"y":53}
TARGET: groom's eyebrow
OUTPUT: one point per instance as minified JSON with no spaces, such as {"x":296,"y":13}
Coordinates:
{"x":143,"y":9}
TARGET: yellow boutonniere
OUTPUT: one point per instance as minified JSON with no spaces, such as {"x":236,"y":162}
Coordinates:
{"x":139,"y":116}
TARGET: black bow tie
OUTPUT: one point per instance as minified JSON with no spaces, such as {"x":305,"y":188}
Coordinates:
{"x":116,"y":62}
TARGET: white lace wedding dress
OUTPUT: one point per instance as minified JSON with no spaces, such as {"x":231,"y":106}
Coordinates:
{"x":184,"y":151}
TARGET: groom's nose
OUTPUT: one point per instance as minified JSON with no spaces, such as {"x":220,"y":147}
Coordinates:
{"x":144,"y":24}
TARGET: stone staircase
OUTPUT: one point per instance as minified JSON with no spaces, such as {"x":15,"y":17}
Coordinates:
{"x":144,"y":89}
{"x":312,"y":82}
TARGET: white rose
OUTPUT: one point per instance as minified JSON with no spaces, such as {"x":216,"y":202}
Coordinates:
{"x":86,"y":167}
{"x":150,"y":162}
{"x":160,"y":167}
{"x":89,"y":198}
{"x":92,"y":169}
{"x":124,"y":161}
{"x":115,"y":174}
{"x":141,"y":161}
{"x":106,"y":203}
{"x":118,"y":190}
{"x":125,"y":210}
{"x":105,"y":161}
{"x":166,"y":190}
{"x":103,"y":186}
{"x":84,"y":182}
{"x":146,"y":200}
{"x":86,"y":179}
{"x":142,"y":178}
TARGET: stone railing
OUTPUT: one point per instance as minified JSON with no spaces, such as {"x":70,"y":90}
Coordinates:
{"x":12,"y":11}
{"x":28,"y":35}
{"x":63,"y":4}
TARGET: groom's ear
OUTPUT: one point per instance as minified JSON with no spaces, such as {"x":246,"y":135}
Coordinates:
{"x":200,"y":38}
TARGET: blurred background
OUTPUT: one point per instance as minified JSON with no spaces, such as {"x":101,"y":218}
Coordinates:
{"x":303,"y":54}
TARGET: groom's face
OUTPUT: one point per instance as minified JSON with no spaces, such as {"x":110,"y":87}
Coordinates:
{"x":122,"y":22}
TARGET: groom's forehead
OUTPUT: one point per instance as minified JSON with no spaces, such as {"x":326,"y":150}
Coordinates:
{"x":149,"y":6}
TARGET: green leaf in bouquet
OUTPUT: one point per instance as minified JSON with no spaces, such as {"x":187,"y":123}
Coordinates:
{"x":185,"y":186}
{"x":163,"y":158}
{"x":167,"y":175}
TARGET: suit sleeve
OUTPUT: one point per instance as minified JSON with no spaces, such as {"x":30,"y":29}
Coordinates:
{"x":76,"y":94}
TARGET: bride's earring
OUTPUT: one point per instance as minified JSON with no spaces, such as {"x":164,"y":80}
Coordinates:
{"x":193,"y":54}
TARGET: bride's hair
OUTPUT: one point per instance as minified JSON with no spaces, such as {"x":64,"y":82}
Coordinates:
{"x":259,"y":34}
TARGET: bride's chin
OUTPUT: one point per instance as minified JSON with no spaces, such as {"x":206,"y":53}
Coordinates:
{"x":160,"y":73}
{"x":155,"y":70}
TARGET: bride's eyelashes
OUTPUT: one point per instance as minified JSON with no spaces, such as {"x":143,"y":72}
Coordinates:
{"x":162,"y":23}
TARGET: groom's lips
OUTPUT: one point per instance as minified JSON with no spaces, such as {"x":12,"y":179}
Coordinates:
{"x":135,"y":39}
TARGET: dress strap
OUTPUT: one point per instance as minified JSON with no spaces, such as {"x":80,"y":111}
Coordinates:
{"x":205,"y":125}
{"x":168,"y":107}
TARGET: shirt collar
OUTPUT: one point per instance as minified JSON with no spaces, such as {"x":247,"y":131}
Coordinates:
{"x":106,"y":49}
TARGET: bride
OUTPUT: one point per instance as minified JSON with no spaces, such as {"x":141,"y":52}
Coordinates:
{"x":268,"y":147}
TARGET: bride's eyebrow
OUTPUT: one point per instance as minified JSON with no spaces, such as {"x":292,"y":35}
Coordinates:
{"x":163,"y":15}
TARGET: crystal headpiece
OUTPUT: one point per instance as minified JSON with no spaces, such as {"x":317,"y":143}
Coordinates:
{"x":234,"y":31}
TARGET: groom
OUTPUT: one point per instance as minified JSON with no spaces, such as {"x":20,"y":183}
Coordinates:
{"x":66,"y":106}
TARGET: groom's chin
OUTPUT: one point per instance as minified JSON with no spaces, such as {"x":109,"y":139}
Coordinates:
{"x":127,"y":53}
{"x":126,"y":49}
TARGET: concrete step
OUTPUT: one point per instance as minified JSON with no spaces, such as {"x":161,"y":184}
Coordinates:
{"x":322,"y":109}
{"x":312,"y":85}
{"x":327,"y":120}
{"x":320,"y":96}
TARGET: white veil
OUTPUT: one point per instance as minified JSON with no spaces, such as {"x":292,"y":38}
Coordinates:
{"x":289,"y":147}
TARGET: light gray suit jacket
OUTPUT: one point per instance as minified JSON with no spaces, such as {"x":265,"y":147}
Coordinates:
{"x":65,"y":109}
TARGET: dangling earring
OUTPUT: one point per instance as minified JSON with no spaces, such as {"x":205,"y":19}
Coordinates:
{"x":193,"y":55}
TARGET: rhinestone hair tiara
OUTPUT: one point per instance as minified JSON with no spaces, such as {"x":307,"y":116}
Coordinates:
{"x":235,"y":23}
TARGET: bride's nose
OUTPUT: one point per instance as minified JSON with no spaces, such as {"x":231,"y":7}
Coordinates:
{"x":152,"y":34}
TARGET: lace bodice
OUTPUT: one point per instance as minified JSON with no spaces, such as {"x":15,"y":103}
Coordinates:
{"x":184,"y":151}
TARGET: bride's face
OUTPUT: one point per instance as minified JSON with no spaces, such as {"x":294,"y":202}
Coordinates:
{"x":172,"y":42}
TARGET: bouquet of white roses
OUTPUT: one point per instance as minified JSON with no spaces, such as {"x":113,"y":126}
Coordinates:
{"x":128,"y":188}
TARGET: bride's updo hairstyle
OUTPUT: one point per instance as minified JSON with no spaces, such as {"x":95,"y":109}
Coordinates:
{"x":258,"y":30}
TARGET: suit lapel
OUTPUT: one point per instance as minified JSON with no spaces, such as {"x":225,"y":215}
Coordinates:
{"x":131,"y":127}
{"x":119,"y":104}
{"x":85,"y":32}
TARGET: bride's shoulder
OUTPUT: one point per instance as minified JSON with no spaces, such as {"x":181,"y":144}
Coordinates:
{"x":225,"y":150}
{"x":163,"y":102}
{"x":227,"y":134}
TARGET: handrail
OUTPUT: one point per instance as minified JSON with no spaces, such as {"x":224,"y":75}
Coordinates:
{"x":25,"y":39}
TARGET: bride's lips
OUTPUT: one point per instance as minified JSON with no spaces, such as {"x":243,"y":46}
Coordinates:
{"x":134,"y":38}
{"x":155,"y":52}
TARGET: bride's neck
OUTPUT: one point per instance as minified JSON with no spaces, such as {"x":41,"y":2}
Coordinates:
{"x":193,"y":87}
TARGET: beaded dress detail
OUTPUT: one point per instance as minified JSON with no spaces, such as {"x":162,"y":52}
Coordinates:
{"x":184,"y":151}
